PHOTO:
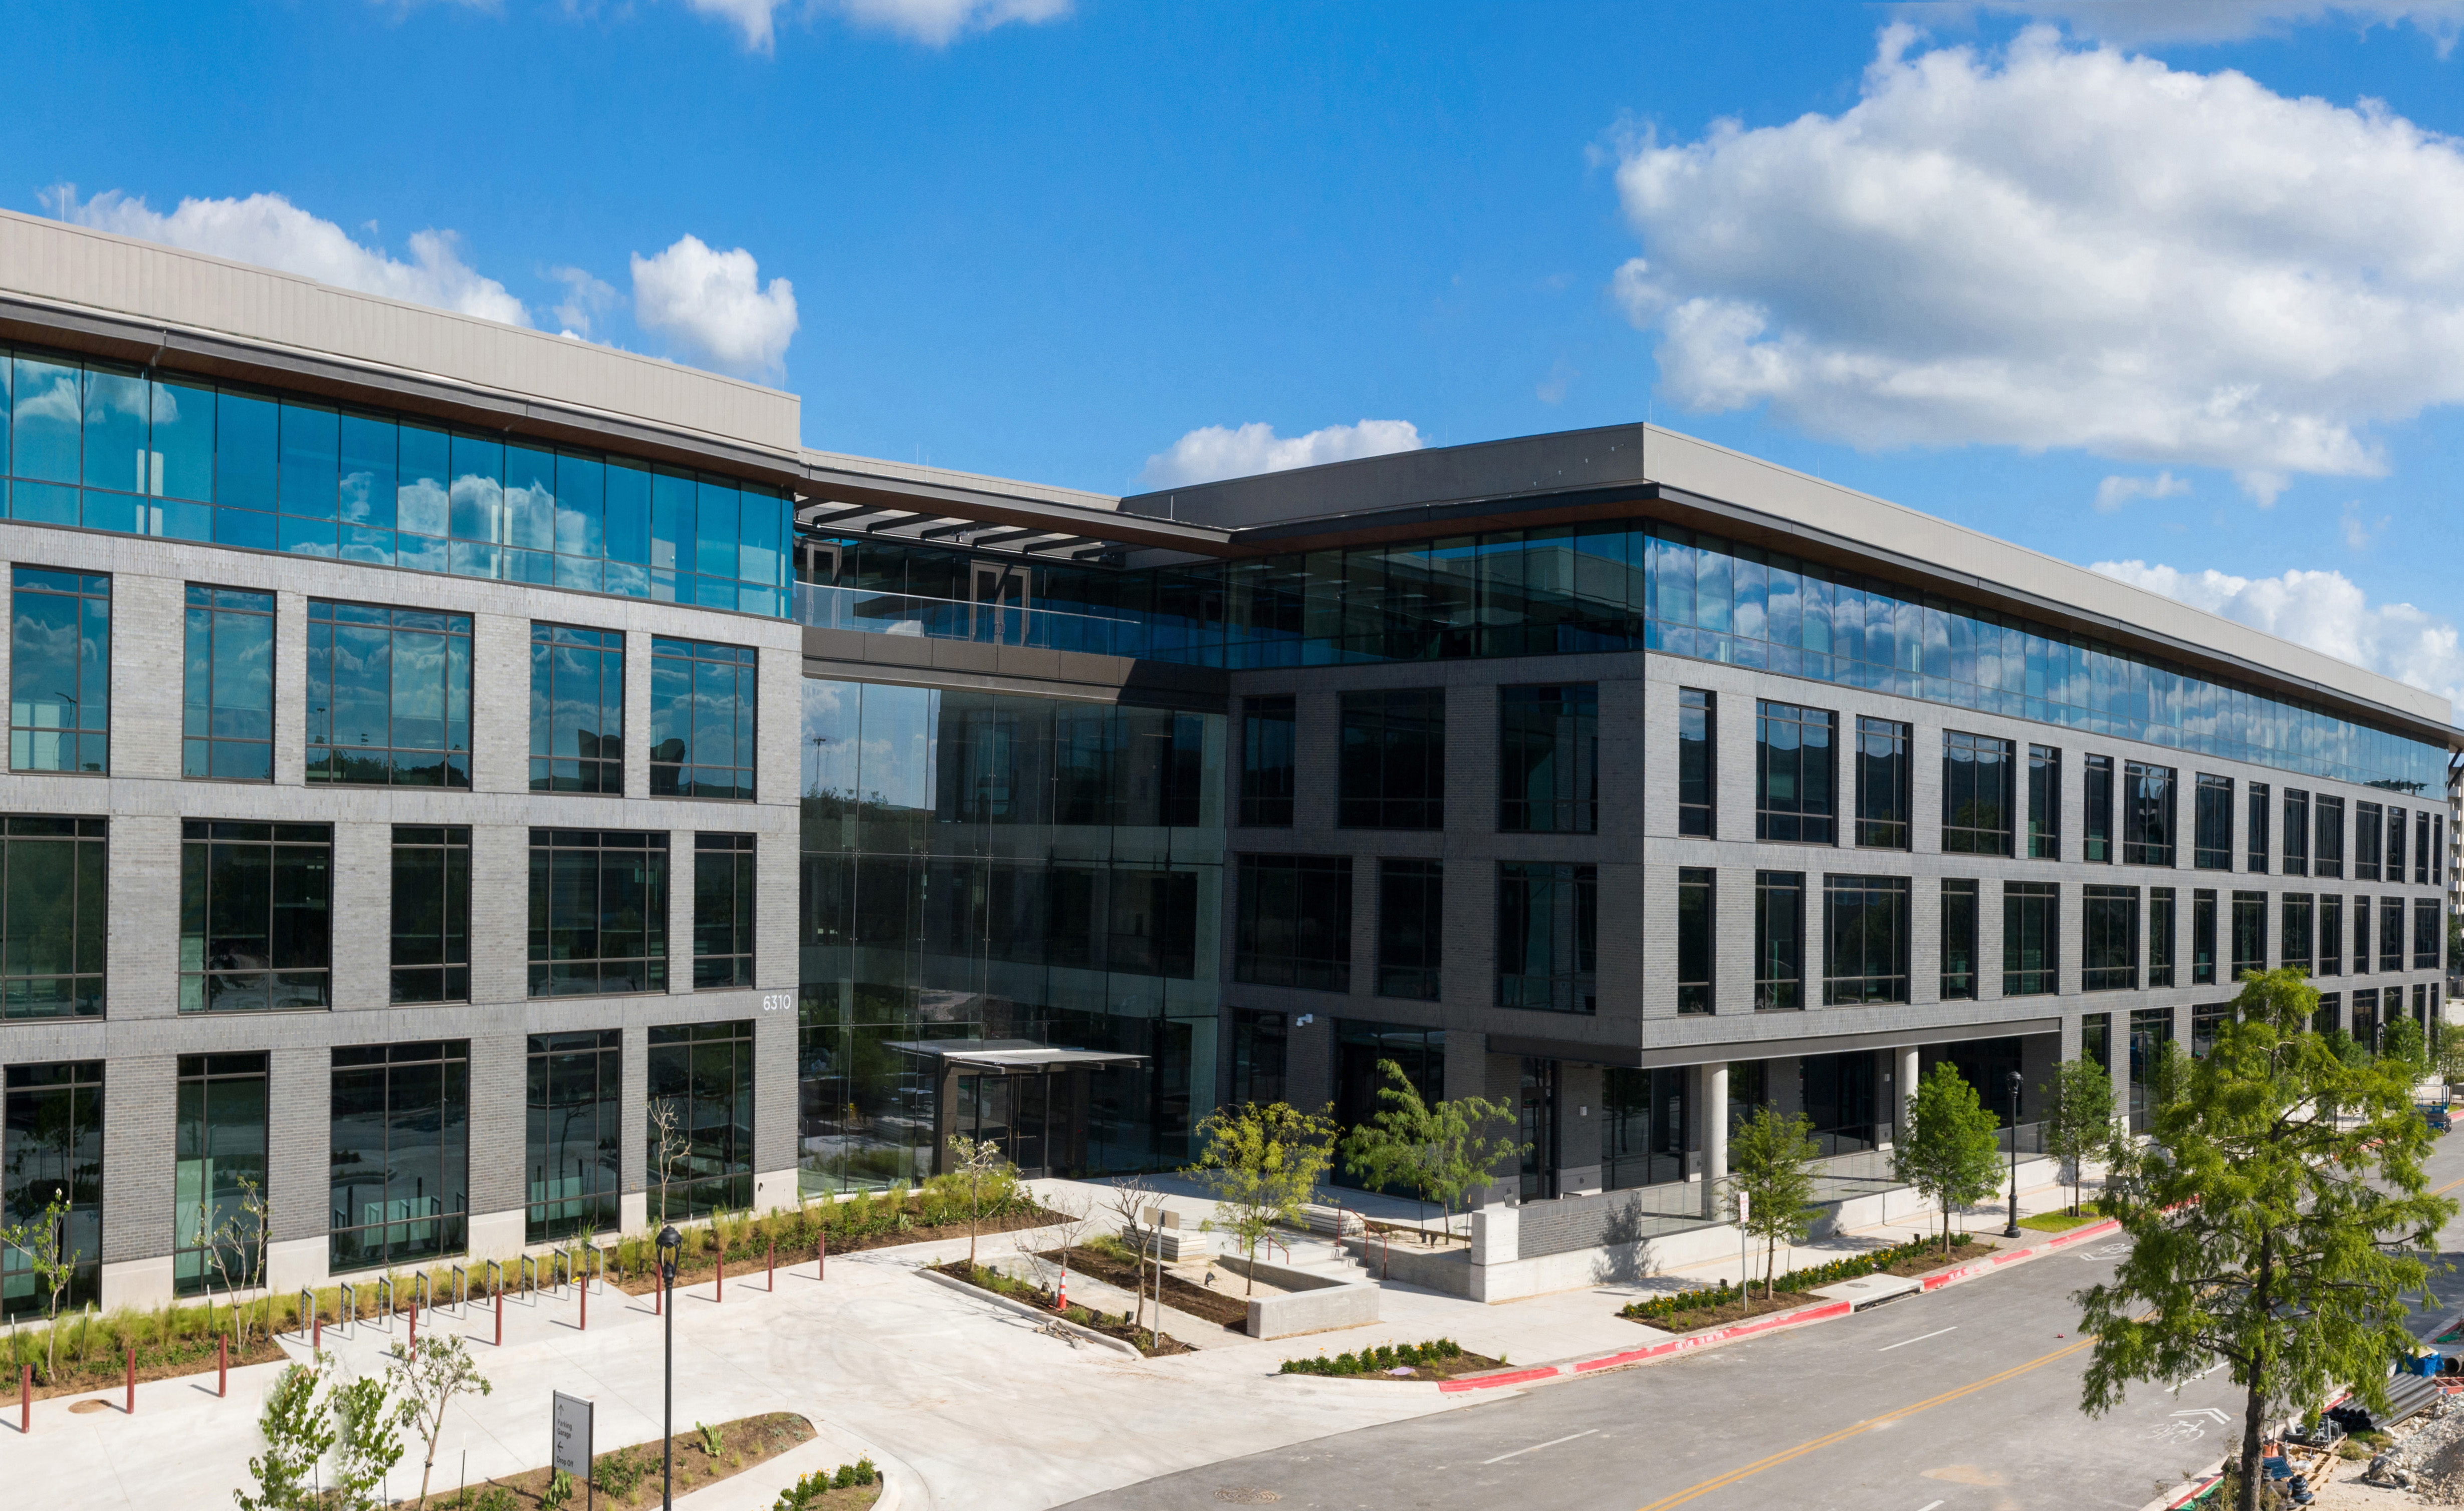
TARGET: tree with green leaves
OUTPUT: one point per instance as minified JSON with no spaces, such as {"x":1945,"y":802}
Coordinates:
{"x":297,"y":1437}
{"x":1442,"y":1151}
{"x":978,"y":1165}
{"x":1263,"y":1164}
{"x":2401,"y":1042}
{"x":43,"y":1239}
{"x":2265,"y":1236}
{"x":1771,"y":1164}
{"x":428,"y":1382}
{"x":1950,"y":1153}
{"x":2078,"y":1116}
{"x":1471,"y":1138}
{"x":367,"y":1442}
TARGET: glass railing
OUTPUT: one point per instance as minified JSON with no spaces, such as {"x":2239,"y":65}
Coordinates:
{"x":826,"y":608}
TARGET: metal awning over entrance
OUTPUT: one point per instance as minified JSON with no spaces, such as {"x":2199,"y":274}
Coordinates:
{"x":1027,"y":1099}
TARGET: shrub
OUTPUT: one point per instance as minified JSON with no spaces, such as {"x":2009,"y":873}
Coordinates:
{"x":1724,"y":1294}
{"x":620,"y":1473}
{"x":1385,"y":1356}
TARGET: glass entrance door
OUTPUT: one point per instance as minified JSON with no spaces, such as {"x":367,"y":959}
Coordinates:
{"x":1538,"y":1129}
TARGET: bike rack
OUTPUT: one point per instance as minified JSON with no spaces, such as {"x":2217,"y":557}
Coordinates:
{"x":529,"y":1275}
{"x":495,"y":1274}
{"x":386,"y":1301}
{"x":307,"y":1311}
{"x":422,"y":1291}
{"x":346,"y":1310}
{"x":461,"y":1291}
{"x":560,"y":1272}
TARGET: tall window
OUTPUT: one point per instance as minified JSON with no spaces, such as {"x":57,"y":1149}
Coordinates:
{"x":701,"y":1083}
{"x":2328,"y":831}
{"x":1549,"y":746}
{"x":256,"y":916}
{"x":1793,"y":798}
{"x":1958,"y":938}
{"x":2367,"y":837}
{"x":2395,"y":825}
{"x":702,"y":703}
{"x":2109,"y":939}
{"x":2160,"y":937}
{"x":2331,"y":936}
{"x":2211,"y":824}
{"x":2296,"y":833}
{"x":227,"y":706}
{"x":1977,"y":782}
{"x":400,"y":1162}
{"x":1294,"y":924}
{"x":1697,"y":789}
{"x":1392,"y":763}
{"x":1865,"y":928}
{"x":576,"y":710}
{"x":2390,"y":933}
{"x":2295,"y":928}
{"x":2426,"y":944}
{"x":2361,"y":936}
{"x":1697,"y":944}
{"x":1885,"y":799}
{"x":1411,"y":928}
{"x":2203,"y":937}
{"x":60,"y":671}
{"x":55,"y":900}
{"x":2258,"y":838}
{"x":2096,"y":1040}
{"x":1779,"y":939}
{"x":222,"y":1121}
{"x":2096,"y":796}
{"x":2146,"y":814}
{"x":598,"y":912}
{"x":722,"y":912}
{"x":1548,"y":937}
{"x":2030,"y":927}
{"x":571,"y":1146}
{"x":1267,"y":769}
{"x":50,"y":1130}
{"x":2249,"y":932}
{"x":388,"y":696}
{"x":2044,"y":802}
{"x":2151,"y":1028}
{"x":1260,"y":1044}
{"x":1642,"y":1127}
{"x":2421,"y":848}
{"x":432,"y":914}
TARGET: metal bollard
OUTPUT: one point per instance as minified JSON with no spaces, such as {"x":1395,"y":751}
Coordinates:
{"x":414,"y":1327}
{"x":500,"y":1319}
{"x":222,"y":1365}
{"x":132,"y":1379}
{"x":773,"y":1264}
{"x":720,"y":1294}
{"x":585,"y":1304}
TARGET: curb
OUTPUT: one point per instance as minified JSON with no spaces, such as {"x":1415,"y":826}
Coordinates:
{"x":978,"y":1293}
{"x":1986,"y":1266}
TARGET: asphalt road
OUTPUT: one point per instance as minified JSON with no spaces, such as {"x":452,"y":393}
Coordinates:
{"x":1964,"y":1400}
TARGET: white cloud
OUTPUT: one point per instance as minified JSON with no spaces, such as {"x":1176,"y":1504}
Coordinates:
{"x":2146,"y":21}
{"x":750,"y":18}
{"x":2061,"y":248}
{"x":1212,"y":452}
{"x":937,"y":22}
{"x":586,"y":300}
{"x":714,"y":304}
{"x":271,"y":232}
{"x":2327,"y":612}
{"x":2114,"y":491}
{"x":2359,"y":534}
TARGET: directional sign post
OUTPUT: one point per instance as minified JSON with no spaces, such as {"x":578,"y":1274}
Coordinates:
{"x":572,"y":1449}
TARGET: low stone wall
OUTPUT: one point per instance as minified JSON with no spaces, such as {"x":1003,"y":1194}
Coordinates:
{"x":1446,"y":1270}
{"x":1316,"y":1303}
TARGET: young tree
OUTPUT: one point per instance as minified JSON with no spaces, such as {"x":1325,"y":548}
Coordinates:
{"x":2078,"y":1117}
{"x":1131,"y":1198}
{"x":367,"y":1442}
{"x":670,"y":1147}
{"x":1469,"y":1137}
{"x":426,"y":1385}
{"x":235,"y":1247}
{"x":43,"y":1239}
{"x":2264,"y":1234}
{"x":297,"y":1437}
{"x":1396,"y":1146}
{"x":976,"y":1163}
{"x":1950,"y":1152}
{"x":2402,"y":1043}
{"x":1771,"y":1164}
{"x":1262,"y":1163}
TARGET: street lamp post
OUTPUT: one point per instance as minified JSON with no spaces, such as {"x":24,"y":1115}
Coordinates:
{"x":2013,"y":1230}
{"x":669,"y":1241}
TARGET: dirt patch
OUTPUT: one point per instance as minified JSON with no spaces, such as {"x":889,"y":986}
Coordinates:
{"x":629,"y":1476}
{"x":1153,"y":1344}
{"x":1198,"y":1301}
{"x":1727,"y":1313}
{"x":1933,"y":1259}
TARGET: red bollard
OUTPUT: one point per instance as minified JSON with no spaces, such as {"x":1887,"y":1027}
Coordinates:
{"x":317,"y":1332}
{"x":132,"y":1379}
{"x":720,"y":1294}
{"x":415,"y":1330}
{"x":500,"y":1319}
{"x":773,"y":1264}
{"x":822,"y":1257}
{"x":222,"y":1365}
{"x":25,"y":1399}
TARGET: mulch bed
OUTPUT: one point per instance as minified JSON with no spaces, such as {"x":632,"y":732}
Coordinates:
{"x":1730,"y":1313}
{"x":699,"y":1268}
{"x":107,"y":1370}
{"x":1933,"y":1259}
{"x":1153,"y":1344}
{"x":1454,"y":1369}
{"x":745,"y":1443}
{"x":1226,"y":1307}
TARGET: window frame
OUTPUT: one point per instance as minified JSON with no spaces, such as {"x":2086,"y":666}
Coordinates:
{"x":667,"y":773}
{"x":199,"y":750}
{"x":1779,"y":941}
{"x":2044,"y":802}
{"x":2212,"y":846}
{"x":724,"y":862}
{"x":1698,"y":767}
{"x":1326,"y":878}
{"x":93,"y":669}
{"x":2144,"y":814}
{"x":651,"y":851}
{"x":328,"y":621}
{"x":1801,"y":823}
{"x":1378,"y":742}
{"x":1411,"y":939}
{"x":2109,"y":938}
{"x":2032,"y":914}
{"x":1576,"y":720}
{"x":1959,"y":930}
{"x":204,"y":838}
{"x":452,"y":973}
{"x":1267,"y":790}
{"x":1864,"y":893}
{"x":1992,"y":829}
{"x":553,"y":645}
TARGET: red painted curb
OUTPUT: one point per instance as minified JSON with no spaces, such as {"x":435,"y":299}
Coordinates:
{"x":1985,"y":1266}
{"x":1491,"y":1382}
{"x":1824,"y":1312}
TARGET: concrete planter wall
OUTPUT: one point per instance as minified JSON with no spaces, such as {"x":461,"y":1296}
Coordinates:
{"x":1316,"y":1303}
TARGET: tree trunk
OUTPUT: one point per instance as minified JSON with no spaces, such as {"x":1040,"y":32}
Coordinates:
{"x":2254,"y":1408}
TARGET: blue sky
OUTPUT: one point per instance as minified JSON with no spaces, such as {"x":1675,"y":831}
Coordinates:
{"x":1052,"y":239}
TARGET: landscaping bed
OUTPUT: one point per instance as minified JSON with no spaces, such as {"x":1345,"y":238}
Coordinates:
{"x":629,"y":1476}
{"x":172,"y":1342}
{"x":1721,"y":1308}
{"x":1684,"y":1311}
{"x":1438,"y":1358}
{"x":1931,"y":1257}
{"x":1111,"y":1324}
{"x":2058,"y":1221}
{"x":748,"y":1242}
{"x":1117,"y":1265}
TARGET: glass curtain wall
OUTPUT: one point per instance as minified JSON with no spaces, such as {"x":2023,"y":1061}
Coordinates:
{"x":221,"y":1165}
{"x":986,"y":865}
{"x":572,"y":1141}
{"x":54,"y":897}
{"x":51,"y":1151}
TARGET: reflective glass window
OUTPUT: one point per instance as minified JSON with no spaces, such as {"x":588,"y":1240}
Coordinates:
{"x":1866,"y":929}
{"x":2211,"y":824}
{"x":220,"y":1178}
{"x":1697,"y":785}
{"x":226,"y":707}
{"x":400,"y":1154}
{"x":576,"y":710}
{"x":60,"y":671}
{"x":1295,"y":924}
{"x":1392,"y":759}
{"x":1268,"y":771}
{"x":574,"y":1136}
{"x":1885,"y":784}
{"x":2044,"y":802}
{"x":55,"y":905}
{"x":2249,"y":932}
{"x":256,"y":916}
{"x":700,"y":1123}
{"x":1979,"y":777}
{"x":2031,"y":932}
{"x":1779,"y":939}
{"x":1548,"y":758}
{"x":51,"y":1129}
{"x":1793,"y":773}
{"x":388,"y":696}
{"x":2109,"y":938}
{"x":2161,"y":927}
{"x":722,"y":912}
{"x":1547,"y":927}
{"x":1958,"y":938}
{"x":1411,"y":928}
{"x":702,"y":702}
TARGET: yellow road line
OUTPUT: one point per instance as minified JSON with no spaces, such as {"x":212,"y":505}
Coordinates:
{"x":1784,"y":1456}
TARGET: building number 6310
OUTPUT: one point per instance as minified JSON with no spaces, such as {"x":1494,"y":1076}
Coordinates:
{"x":777,"y":1001}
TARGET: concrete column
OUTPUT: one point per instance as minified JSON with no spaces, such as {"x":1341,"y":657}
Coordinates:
{"x":1715,"y":1135}
{"x":1906,"y":1086}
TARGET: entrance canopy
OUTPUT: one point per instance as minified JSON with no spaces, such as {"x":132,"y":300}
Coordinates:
{"x":1011,"y":1056}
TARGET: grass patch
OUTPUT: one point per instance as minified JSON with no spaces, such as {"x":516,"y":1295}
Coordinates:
{"x":2057,"y":1221}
